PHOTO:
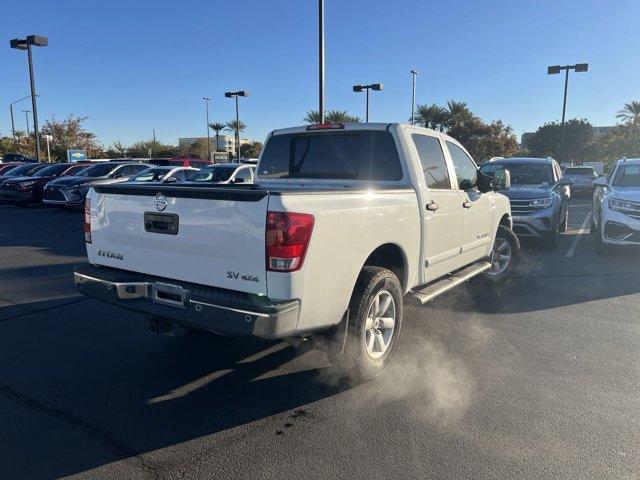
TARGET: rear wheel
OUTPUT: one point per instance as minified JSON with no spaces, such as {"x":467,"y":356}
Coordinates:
{"x":376,"y":313}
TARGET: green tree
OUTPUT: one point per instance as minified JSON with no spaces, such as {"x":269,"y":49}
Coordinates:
{"x":217,"y":127}
{"x":237,"y":129}
{"x":630,"y":113}
{"x":622,"y":141}
{"x":458,"y":112}
{"x":252,"y":149}
{"x":70,"y":134}
{"x":431,"y":116}
{"x":332,"y":116}
{"x":578,"y":140}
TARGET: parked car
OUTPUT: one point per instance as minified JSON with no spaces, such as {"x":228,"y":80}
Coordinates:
{"x":345,"y":220}
{"x":181,"y":162}
{"x":5,"y":167}
{"x":539,"y":197}
{"x":24,"y":170}
{"x":71,"y":191}
{"x":582,"y":178}
{"x":222,"y":173}
{"x":18,"y":157}
{"x":615,"y":218}
{"x":28,"y":189}
{"x":164,"y":175}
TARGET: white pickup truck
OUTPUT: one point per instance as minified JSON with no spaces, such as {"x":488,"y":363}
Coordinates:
{"x":343,"y":222}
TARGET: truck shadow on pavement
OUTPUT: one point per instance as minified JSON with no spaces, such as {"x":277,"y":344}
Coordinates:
{"x":100,"y":389}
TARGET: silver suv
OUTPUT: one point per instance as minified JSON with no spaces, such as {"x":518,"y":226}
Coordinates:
{"x":582,"y":178}
{"x":539,"y":196}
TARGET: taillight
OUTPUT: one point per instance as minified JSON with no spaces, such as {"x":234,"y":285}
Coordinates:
{"x":87,"y":220}
{"x":288,"y":236}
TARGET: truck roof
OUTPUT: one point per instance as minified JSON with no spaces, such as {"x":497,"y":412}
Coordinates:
{"x":629,"y":161}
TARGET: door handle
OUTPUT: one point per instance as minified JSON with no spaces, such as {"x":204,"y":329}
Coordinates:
{"x":467,"y":204}
{"x":433,"y":206}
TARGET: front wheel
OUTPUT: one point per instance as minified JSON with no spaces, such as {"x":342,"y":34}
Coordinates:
{"x":376,"y":313}
{"x":504,"y":256}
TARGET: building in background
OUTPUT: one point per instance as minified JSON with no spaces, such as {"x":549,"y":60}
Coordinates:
{"x":226,"y":143}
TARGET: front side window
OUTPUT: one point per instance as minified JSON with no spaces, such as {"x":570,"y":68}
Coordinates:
{"x":359,"y":155}
{"x":151,"y":175}
{"x":465,"y":168}
{"x":244,"y":174}
{"x":434,"y":165}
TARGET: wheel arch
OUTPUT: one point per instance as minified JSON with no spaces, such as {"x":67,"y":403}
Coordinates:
{"x":392,"y":257}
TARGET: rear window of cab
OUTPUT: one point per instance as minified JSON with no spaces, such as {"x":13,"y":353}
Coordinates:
{"x":360,"y":155}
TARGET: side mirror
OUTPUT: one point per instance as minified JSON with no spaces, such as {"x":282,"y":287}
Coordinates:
{"x":600,"y":182}
{"x":502,"y":179}
{"x":484,"y":182}
{"x":238,"y":180}
{"x":171,"y":180}
{"x":564,"y":182}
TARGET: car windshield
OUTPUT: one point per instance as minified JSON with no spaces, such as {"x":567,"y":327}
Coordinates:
{"x":99,"y":170}
{"x":152,"y":175}
{"x":213,"y":174}
{"x":21,"y":170}
{"x":51,"y":171}
{"x":5,"y":168}
{"x":522,"y":173}
{"x":579,"y":171}
{"x":627,"y":176}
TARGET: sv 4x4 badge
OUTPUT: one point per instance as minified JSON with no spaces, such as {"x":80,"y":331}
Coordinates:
{"x":247,"y":277}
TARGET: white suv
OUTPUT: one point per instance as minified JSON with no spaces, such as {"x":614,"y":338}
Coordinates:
{"x":616,"y":206}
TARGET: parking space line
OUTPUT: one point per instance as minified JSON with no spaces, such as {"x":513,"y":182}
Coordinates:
{"x":581,"y":230}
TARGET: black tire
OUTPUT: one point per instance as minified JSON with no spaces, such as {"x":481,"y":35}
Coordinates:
{"x":565,"y":223}
{"x":514,"y":243}
{"x":552,"y":240}
{"x":356,"y":363}
{"x":593,"y":229}
{"x":599,"y":245}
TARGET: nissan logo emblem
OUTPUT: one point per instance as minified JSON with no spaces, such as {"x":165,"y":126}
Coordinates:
{"x":161,"y":202}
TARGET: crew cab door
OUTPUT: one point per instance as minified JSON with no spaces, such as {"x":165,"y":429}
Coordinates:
{"x":477,"y":208}
{"x":441,"y":211}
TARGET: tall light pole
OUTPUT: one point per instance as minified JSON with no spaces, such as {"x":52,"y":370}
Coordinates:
{"x":360,"y":88}
{"x":553,"y":70}
{"x":13,"y":125}
{"x":153,"y":144}
{"x":26,"y":117}
{"x":414,"y":74}
{"x":206,"y":103}
{"x":321,"y":59}
{"x":239,"y":93}
{"x":26,"y":44}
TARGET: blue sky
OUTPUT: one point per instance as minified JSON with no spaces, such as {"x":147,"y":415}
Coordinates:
{"x":132,"y":66}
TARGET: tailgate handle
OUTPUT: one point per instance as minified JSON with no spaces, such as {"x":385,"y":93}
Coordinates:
{"x":166,"y":223}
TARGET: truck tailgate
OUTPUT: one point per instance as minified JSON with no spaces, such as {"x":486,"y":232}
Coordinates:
{"x":212,"y":236}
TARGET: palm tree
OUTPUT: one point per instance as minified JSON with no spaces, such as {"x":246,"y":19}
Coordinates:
{"x":431,"y":116}
{"x":312,"y":117}
{"x":332,"y":116}
{"x":237,"y":128}
{"x":630,"y":113}
{"x":458,"y":112}
{"x":216,"y":127}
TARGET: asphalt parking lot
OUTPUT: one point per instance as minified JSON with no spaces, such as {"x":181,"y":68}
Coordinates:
{"x":539,"y":380}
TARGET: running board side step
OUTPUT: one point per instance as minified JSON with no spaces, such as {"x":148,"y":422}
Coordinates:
{"x":438,"y":287}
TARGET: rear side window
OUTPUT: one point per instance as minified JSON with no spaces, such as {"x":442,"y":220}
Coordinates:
{"x":433,"y":163}
{"x":364,"y":155}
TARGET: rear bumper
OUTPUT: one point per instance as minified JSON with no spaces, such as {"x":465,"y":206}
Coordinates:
{"x":197,"y":306}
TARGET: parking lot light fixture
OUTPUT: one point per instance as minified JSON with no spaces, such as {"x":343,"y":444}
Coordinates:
{"x":360,"y":88}
{"x":13,"y":125}
{"x":26,"y":44}
{"x":554,"y":70}
{"x":414,"y":74}
{"x":26,"y":117}
{"x":206,"y":103}
{"x":239,"y":93}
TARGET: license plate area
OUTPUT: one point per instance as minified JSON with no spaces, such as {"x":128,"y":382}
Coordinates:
{"x":168,"y":294}
{"x":166,"y":223}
